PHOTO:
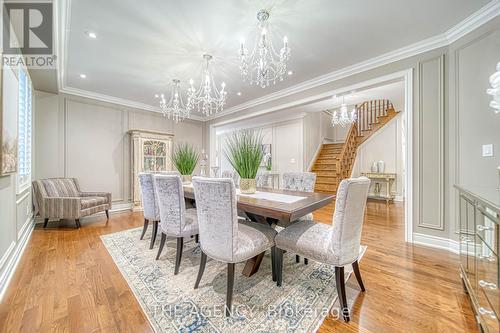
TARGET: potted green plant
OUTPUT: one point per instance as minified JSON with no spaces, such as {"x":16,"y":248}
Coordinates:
{"x":244,"y":153}
{"x":185,"y":157}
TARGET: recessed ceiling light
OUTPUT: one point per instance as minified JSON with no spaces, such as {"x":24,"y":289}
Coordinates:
{"x":238,"y":93}
{"x":290,"y":72}
{"x":91,"y":34}
{"x":83,"y":76}
{"x":156,"y":96}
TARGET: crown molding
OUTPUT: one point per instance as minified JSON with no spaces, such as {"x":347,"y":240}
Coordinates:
{"x":117,"y":101}
{"x":472,"y":22}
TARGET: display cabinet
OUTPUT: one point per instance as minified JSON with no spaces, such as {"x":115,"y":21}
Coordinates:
{"x":151,"y":152}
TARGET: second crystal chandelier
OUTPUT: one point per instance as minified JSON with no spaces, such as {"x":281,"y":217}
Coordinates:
{"x":263,"y":65}
{"x":207,"y":99}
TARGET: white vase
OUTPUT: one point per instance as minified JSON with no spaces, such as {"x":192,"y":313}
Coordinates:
{"x":374,"y":167}
{"x":381,"y":166}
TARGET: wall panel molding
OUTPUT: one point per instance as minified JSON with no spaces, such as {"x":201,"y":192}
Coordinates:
{"x":425,"y":161}
{"x":458,"y":111}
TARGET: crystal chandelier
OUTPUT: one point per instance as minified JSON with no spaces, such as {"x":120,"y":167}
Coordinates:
{"x":264,"y":65}
{"x":207,"y":99}
{"x":495,"y":89}
{"x":342,"y":116}
{"x":175,"y":107}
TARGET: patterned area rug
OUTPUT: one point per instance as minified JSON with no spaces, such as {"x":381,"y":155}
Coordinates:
{"x":172,"y":305}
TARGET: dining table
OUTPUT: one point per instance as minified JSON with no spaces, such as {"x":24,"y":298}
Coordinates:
{"x":274,"y":207}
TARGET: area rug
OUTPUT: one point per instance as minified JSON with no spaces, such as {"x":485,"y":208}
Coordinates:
{"x":172,"y":305}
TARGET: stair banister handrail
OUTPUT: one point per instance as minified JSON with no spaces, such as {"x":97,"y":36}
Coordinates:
{"x":351,"y":136}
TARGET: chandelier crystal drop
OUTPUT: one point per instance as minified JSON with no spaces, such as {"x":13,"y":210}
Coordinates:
{"x":207,"y":99}
{"x":495,"y":89}
{"x":264,"y":65}
{"x":342,"y":116}
{"x":175,"y":108}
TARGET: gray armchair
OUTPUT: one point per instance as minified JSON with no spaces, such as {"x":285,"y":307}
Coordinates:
{"x":61,"y":198}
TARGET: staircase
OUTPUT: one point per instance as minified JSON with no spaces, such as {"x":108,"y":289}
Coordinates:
{"x":335,"y":160}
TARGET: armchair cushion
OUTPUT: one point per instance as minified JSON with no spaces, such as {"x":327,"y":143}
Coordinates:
{"x":89,"y":202}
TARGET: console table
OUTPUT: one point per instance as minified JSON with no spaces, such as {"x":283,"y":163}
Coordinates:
{"x":479,"y":226}
{"x":377,"y":178}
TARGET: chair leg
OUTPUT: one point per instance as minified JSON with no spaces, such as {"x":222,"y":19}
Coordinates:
{"x":178,"y":256}
{"x":273,"y":263}
{"x":146,"y":223}
{"x":306,"y":261}
{"x":355,"y":267}
{"x":279,"y":266}
{"x":297,"y":258}
{"x":107,"y":214}
{"x":77,"y":222}
{"x":162,"y":244}
{"x":197,"y":238}
{"x":153,"y":236}
{"x":229,"y":291}
{"x":203,"y":262}
{"x":339,"y":277}
{"x":45,"y":223}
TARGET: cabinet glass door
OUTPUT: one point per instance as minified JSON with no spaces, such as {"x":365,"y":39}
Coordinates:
{"x":155,"y":156}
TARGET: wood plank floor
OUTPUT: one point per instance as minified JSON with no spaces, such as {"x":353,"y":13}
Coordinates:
{"x":67,"y":282}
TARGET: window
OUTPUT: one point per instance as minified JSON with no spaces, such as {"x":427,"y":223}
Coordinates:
{"x":25,"y":131}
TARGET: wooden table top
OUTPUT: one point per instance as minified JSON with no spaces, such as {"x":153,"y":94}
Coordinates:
{"x":283,"y":212}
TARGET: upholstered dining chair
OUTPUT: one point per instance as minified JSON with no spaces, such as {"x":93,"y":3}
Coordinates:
{"x":337,"y":244}
{"x":151,"y":211}
{"x":175,"y":219}
{"x":303,"y":182}
{"x":222,"y":236}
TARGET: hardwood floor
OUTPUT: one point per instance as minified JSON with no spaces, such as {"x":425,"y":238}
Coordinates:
{"x":67,"y":282}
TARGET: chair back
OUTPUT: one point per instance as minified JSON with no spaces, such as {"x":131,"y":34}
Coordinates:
{"x":151,"y":211}
{"x":59,"y":187}
{"x":169,"y":195}
{"x":217,"y":216}
{"x":348,"y":218}
{"x":299,"y":181}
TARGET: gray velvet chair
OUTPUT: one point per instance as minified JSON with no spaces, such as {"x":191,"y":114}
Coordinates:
{"x":149,"y":205}
{"x":175,"y":219}
{"x":337,"y":244}
{"x":222,"y":236}
{"x":61,"y":198}
{"x":303,"y":182}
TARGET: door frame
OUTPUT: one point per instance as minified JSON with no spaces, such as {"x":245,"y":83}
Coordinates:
{"x":406,"y":76}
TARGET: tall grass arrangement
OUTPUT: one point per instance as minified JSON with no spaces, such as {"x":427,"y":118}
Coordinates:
{"x":185,"y":157}
{"x":244,"y":152}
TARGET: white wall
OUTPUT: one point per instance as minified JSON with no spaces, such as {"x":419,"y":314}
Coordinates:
{"x":88,"y":140}
{"x":384,"y":145}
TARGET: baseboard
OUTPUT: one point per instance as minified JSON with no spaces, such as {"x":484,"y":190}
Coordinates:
{"x":436,"y":242}
{"x":10,"y":266}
